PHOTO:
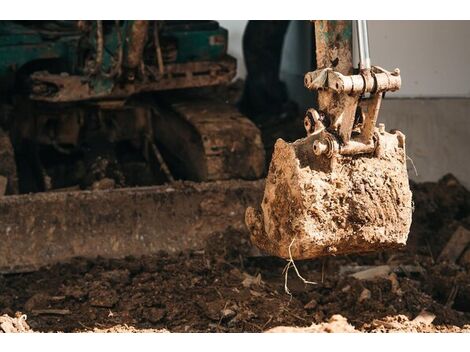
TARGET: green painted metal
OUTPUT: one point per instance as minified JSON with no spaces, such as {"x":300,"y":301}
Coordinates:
{"x":204,"y":45}
{"x":20,"y":46}
{"x":42,"y":45}
{"x":335,"y":28}
{"x":111,"y":42}
{"x":333,"y":44}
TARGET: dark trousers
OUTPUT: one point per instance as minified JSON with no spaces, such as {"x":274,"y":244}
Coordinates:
{"x":264,"y":93}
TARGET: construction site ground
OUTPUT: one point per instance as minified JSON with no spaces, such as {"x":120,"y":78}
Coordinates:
{"x":224,"y":288}
{"x":228,"y":287}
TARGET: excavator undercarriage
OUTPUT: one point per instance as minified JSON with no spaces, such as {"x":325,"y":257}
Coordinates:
{"x":107,"y":128}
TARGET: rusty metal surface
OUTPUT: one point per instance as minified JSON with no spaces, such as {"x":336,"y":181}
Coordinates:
{"x":212,"y":139}
{"x":376,"y":80}
{"x":64,"y":88}
{"x":136,"y":43}
{"x":333,"y":43}
{"x":339,"y":98}
{"x":341,"y":95}
{"x":352,"y":205}
{"x":7,"y":166}
{"x":45,"y":228}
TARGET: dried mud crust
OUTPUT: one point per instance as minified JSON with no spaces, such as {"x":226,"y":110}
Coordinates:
{"x":224,"y":289}
{"x":361,"y":204}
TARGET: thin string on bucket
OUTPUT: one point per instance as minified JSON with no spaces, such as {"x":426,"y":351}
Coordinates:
{"x":290,"y":263}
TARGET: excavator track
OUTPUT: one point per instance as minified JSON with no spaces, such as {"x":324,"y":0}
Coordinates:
{"x":198,"y":139}
{"x":208,"y":139}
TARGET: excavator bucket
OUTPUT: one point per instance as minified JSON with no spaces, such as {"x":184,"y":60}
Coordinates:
{"x":344,"y":188}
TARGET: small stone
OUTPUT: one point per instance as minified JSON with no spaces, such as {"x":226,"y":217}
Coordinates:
{"x":228,"y":314}
{"x":311,"y":305}
{"x":380,"y":271}
{"x":395,"y":285}
{"x":424,"y":317}
{"x":105,"y":183}
{"x":252,"y":280}
{"x":365,"y":294}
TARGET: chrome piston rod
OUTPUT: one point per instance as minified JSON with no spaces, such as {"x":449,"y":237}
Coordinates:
{"x":363,"y":45}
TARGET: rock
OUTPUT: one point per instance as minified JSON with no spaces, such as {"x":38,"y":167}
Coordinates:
{"x":227,"y":314}
{"x":249,"y":280}
{"x":424,"y":317}
{"x":395,"y":284}
{"x":380,"y":271}
{"x":105,"y":183}
{"x":311,"y":305}
{"x":456,"y":245}
{"x":365,"y":295}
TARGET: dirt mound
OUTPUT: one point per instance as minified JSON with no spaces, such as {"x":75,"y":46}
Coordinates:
{"x":440,"y":207}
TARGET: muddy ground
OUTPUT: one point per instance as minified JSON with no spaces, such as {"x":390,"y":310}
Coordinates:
{"x":224,"y":288}
{"x":227,"y":288}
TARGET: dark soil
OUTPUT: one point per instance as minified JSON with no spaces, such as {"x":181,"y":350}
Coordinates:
{"x":223,"y":288}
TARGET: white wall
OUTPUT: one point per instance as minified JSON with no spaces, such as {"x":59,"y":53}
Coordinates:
{"x":235,"y":35}
{"x":433,"y":56}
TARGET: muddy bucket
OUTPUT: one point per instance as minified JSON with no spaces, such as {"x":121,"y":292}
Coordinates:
{"x":317,"y":206}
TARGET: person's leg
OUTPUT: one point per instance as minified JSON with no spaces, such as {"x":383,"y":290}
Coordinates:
{"x":264,"y":95}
